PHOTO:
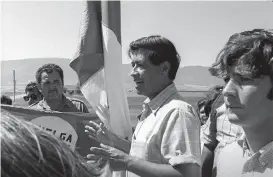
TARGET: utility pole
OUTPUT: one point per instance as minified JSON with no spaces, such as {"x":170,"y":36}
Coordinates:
{"x":14,"y":85}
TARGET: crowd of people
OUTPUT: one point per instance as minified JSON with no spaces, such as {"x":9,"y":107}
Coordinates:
{"x":230,"y":134}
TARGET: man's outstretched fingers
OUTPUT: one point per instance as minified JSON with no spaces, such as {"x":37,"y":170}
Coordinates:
{"x":99,"y":151}
{"x":93,"y":157}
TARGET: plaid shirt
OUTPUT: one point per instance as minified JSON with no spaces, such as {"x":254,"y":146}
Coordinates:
{"x":168,"y":131}
{"x":66,"y":105}
{"x":236,"y":160}
{"x":218,"y":131}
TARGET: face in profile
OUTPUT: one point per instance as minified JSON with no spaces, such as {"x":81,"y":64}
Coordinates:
{"x":51,"y":86}
{"x":246,"y":100}
{"x":145,"y":75}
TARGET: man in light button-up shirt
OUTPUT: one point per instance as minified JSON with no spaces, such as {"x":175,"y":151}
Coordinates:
{"x":247,"y":59}
{"x":166,"y":141}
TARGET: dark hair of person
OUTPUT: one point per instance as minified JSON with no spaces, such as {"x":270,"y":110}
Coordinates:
{"x":158,"y":50}
{"x":249,"y":52}
{"x":30,"y":86}
{"x":6,"y":100}
{"x":49,"y":68}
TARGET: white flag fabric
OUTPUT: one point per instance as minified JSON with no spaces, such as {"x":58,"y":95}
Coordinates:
{"x":98,"y":63}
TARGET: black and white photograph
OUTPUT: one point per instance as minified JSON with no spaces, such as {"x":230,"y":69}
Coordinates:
{"x":136,"y":88}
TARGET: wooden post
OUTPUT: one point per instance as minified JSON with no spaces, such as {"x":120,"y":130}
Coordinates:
{"x":14,"y":85}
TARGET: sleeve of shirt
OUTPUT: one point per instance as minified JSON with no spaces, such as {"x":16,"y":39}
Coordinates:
{"x":181,"y":138}
{"x":210,"y":130}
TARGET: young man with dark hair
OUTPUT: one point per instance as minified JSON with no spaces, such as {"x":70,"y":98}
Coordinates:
{"x":166,"y":141}
{"x":247,"y":59}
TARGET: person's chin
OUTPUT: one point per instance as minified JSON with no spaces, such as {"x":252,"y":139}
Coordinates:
{"x":54,"y":97}
{"x":138,"y":91}
{"x":234,"y":116}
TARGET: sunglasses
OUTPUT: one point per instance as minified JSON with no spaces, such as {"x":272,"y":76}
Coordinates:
{"x":26,"y":98}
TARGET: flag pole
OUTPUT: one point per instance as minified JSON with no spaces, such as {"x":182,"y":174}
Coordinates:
{"x":14,"y":85}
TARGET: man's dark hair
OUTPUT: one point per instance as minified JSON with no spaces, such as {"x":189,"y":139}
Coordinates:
{"x":30,"y":86}
{"x":6,"y":100}
{"x":49,"y":68}
{"x":250,"y":52}
{"x":158,"y":50}
{"x":212,"y":96}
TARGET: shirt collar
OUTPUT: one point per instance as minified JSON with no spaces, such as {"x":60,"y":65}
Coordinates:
{"x":161,"y":98}
{"x":64,"y":103}
{"x":265,"y":153}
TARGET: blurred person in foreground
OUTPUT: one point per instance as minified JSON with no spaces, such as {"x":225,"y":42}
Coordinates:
{"x":247,"y":58}
{"x":50,"y":80}
{"x":28,"y":151}
{"x":166,"y":141}
{"x":217,"y":132}
{"x":6,"y":100}
{"x":33,"y":94}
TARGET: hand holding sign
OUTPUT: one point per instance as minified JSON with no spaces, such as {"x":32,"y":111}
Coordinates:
{"x":99,"y":133}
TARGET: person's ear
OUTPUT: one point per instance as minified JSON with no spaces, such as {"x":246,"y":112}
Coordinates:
{"x":165,"y":67}
{"x":270,"y":94}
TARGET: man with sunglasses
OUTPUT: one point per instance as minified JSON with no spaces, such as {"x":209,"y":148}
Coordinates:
{"x":33,"y":94}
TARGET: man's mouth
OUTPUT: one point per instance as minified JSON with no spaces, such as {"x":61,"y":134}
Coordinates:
{"x":52,"y":91}
{"x":138,"y":82}
{"x":233,"y":106}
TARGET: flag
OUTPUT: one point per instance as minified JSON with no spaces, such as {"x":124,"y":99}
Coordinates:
{"x":98,"y":63}
{"x":69,"y":127}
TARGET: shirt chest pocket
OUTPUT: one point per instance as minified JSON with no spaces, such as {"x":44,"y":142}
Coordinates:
{"x":145,"y":129}
{"x":139,"y":149}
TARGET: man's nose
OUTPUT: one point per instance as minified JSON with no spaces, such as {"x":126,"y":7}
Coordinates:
{"x":230,"y":88}
{"x":52,"y":86}
{"x":133,"y":72}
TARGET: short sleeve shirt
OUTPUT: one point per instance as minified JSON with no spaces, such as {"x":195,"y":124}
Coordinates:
{"x":79,"y":105}
{"x":220,"y":132}
{"x":168,"y":131}
{"x":236,"y":160}
{"x":66,"y":106}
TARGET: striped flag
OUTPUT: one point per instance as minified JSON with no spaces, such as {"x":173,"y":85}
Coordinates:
{"x":98,"y":63}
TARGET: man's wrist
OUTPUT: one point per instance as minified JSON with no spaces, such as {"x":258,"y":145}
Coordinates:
{"x":130,"y":162}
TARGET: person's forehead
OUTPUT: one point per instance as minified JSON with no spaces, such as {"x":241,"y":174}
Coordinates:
{"x":139,"y":57}
{"x":30,"y":92}
{"x":235,"y":71}
{"x":53,"y":75}
{"x":33,"y":91}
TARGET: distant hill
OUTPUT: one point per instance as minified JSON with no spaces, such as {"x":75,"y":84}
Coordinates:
{"x":188,"y":78}
{"x":26,"y":69}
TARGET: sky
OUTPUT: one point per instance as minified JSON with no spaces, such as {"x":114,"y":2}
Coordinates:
{"x":198,"y":29}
